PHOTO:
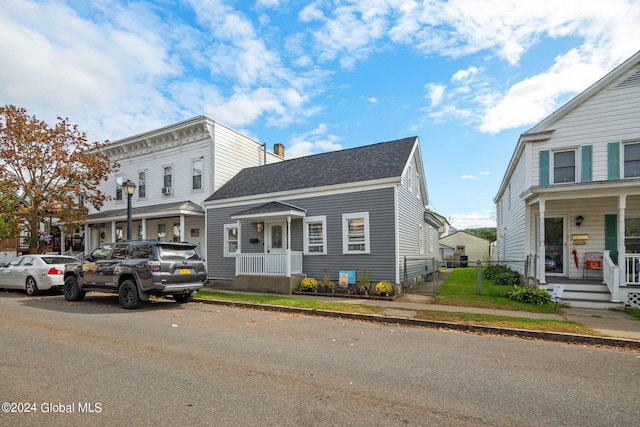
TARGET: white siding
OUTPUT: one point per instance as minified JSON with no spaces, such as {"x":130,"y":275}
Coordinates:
{"x":511,"y":229}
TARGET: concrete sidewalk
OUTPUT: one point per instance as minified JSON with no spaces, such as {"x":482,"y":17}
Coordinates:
{"x":617,"y":325}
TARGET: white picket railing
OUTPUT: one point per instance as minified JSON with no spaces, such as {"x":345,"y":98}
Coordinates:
{"x":260,"y":264}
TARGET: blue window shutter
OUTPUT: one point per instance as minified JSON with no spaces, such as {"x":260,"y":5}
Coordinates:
{"x":613,"y":153}
{"x":587,"y":163}
{"x":544,"y":167}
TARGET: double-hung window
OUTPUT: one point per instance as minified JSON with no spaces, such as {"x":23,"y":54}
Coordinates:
{"x":231,"y":239}
{"x":632,"y":160}
{"x":564,"y":166}
{"x":355,"y":233}
{"x":196,"y":174}
{"x":119,"y":182}
{"x":142,"y":184}
{"x":315,"y":235}
{"x":167,"y":179}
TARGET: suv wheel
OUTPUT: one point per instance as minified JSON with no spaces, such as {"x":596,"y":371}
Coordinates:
{"x":183,"y":298}
{"x":71,"y":290}
{"x":31,"y":286}
{"x":128,"y":295}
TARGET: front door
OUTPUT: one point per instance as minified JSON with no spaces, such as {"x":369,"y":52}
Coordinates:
{"x":276,"y":237}
{"x":554,"y":246}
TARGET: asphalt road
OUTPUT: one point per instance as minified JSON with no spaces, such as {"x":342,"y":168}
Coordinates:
{"x":93,"y":363}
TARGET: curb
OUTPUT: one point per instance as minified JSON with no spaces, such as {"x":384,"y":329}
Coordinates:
{"x":489,"y":330}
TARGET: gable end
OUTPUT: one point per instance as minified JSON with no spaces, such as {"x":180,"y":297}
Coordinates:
{"x":631,"y":81}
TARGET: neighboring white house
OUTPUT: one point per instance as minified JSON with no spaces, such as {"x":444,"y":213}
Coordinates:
{"x":572,"y":188}
{"x":174,"y":168}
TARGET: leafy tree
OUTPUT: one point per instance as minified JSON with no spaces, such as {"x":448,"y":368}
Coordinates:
{"x":488,"y":233}
{"x":47,"y":172}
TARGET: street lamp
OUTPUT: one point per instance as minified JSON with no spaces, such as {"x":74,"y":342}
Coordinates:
{"x":129,"y":187}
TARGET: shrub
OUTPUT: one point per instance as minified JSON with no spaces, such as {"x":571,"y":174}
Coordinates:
{"x":308,"y":284}
{"x":501,"y":275}
{"x":384,"y":287}
{"x":529,"y":295}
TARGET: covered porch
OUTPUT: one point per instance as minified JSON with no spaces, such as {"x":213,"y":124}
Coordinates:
{"x":566,"y":225}
{"x":276,"y":259}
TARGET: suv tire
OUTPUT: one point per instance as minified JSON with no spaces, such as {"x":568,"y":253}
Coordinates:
{"x":71,"y":290}
{"x":128,"y":295}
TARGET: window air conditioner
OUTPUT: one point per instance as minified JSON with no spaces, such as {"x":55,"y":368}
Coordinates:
{"x":166,"y":190}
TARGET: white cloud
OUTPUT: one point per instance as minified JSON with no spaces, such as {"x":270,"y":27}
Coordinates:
{"x":372,"y":100}
{"x":485,"y":173}
{"x":481,"y":219}
{"x":315,"y":141}
{"x":464,"y":75}
{"x":473,"y":177}
{"x":434,"y":93}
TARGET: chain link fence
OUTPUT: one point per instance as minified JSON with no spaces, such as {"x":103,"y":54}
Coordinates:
{"x":428,"y":276}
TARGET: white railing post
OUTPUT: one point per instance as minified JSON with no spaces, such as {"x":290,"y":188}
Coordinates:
{"x":611,"y":276}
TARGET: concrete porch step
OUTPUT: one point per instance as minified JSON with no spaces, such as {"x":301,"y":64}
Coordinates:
{"x":586,"y":295}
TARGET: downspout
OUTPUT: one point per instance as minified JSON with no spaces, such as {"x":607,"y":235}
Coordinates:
{"x":264,"y":149}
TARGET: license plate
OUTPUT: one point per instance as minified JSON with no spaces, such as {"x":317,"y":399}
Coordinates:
{"x":185,"y":271}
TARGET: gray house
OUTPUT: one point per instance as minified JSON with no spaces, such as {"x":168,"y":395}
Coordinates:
{"x":360,"y":210}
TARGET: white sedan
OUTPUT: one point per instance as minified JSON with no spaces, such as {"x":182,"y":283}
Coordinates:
{"x":35,"y":272}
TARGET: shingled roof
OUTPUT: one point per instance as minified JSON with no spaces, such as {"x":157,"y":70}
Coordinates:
{"x":371,"y":162}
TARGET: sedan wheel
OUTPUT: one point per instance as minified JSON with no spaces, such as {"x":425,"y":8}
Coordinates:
{"x":31,"y":286}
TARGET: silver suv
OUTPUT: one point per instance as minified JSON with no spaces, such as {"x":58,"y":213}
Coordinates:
{"x":137,"y":269}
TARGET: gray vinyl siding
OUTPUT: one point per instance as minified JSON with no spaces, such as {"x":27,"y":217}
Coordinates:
{"x":411,"y":210}
{"x":379,"y":264}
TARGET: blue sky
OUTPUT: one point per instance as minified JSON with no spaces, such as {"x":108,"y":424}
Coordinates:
{"x":466,"y":76}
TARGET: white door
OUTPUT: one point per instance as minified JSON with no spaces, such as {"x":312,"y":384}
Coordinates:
{"x":276,"y":237}
{"x":275,"y":247}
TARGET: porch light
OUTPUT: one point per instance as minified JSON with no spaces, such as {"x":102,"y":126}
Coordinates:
{"x":259,"y":227}
{"x":579,"y":220}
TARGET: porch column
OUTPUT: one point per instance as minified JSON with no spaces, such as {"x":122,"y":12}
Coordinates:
{"x":288,"y":261}
{"x":113,"y":231}
{"x":542,"y":280}
{"x":144,"y":229}
{"x":62,"y":248}
{"x":87,"y":239}
{"x":622,"y":249}
{"x":182,"y":233}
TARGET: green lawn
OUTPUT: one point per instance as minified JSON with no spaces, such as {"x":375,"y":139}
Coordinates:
{"x":460,"y":288}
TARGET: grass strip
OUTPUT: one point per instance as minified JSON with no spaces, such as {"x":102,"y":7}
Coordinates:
{"x":440,"y":316}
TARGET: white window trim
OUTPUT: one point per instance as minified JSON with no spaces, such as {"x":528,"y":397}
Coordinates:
{"x":552,"y":167}
{"x":313,"y":220}
{"x":173,"y":175}
{"x":226,"y":240}
{"x":146,"y":186}
{"x":622,"y":162}
{"x":345,"y":232}
{"x":193,"y":161}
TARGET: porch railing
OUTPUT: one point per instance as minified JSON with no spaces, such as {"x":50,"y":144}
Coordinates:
{"x":632,"y":271}
{"x":280,"y":264}
{"x":611,"y":276}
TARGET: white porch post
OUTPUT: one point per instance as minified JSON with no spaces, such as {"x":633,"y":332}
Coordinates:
{"x":288,"y":261}
{"x":622,"y":249}
{"x":87,"y":239}
{"x":182,"y":233}
{"x":144,"y":229}
{"x":113,"y":231}
{"x":62,"y":249}
{"x":541,"y":276}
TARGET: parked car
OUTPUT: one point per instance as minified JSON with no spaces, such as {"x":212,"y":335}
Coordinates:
{"x":549,"y":263}
{"x":137,"y":269}
{"x":35,"y":273}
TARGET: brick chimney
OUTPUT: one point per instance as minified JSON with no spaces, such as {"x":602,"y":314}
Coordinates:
{"x":278,"y":150}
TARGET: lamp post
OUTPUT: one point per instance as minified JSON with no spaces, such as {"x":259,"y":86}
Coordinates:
{"x":129,"y":187}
